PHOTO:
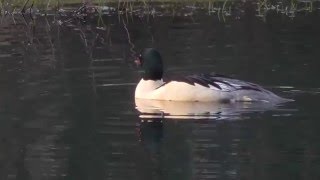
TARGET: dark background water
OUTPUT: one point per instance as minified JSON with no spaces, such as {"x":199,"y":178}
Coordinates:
{"x":67,"y":107}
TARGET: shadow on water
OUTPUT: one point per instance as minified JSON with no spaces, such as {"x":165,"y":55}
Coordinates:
{"x":67,"y":108}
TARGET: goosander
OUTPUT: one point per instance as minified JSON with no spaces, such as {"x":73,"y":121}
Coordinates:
{"x":195,"y":88}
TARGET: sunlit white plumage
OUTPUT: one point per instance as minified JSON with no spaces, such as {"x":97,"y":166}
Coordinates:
{"x":177,"y":91}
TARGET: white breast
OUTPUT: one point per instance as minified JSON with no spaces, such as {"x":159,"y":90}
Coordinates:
{"x":146,"y":88}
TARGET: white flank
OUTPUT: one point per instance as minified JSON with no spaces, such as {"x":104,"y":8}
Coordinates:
{"x":178,"y":91}
{"x":181,"y":91}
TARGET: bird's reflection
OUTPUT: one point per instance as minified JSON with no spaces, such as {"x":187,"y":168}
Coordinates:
{"x":192,"y":148}
{"x":188,"y":149}
{"x":198,"y":110}
{"x":151,"y":134}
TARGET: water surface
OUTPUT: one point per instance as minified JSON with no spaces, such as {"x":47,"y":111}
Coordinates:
{"x":67,"y":108}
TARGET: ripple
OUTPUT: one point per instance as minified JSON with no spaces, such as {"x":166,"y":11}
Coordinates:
{"x":5,"y":55}
{"x":303,"y":91}
{"x":116,"y":85}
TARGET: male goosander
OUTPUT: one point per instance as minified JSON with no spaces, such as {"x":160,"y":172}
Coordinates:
{"x":201,"y":87}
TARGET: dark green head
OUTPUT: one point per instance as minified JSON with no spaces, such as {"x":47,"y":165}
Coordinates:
{"x":151,"y":62}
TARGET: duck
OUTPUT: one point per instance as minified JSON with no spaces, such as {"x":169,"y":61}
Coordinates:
{"x":195,"y":88}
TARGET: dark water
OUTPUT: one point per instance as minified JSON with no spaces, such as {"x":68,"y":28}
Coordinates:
{"x":67,"y":108}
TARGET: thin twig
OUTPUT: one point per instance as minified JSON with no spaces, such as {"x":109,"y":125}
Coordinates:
{"x":24,"y":7}
{"x":129,"y":39}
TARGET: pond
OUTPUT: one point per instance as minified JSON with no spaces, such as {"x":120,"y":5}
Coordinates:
{"x":67,"y":107}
